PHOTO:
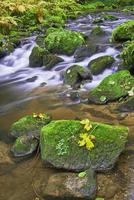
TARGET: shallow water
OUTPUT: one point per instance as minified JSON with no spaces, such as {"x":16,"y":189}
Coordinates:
{"x":19,"y":97}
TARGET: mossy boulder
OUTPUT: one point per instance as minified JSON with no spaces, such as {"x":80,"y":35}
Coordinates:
{"x":110,"y":17}
{"x":75,"y":75}
{"x":24,"y":145}
{"x":126,"y":106}
{"x":50,"y":60}
{"x":29,"y":125}
{"x":123,"y":32}
{"x":98,"y":20}
{"x":63,"y":41}
{"x":128,"y":56}
{"x":36,"y":57}
{"x":98,"y":65}
{"x":59,"y":186}
{"x":59,"y":145}
{"x":112,"y":88}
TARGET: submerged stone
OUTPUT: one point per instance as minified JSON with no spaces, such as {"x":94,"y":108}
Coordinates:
{"x":70,"y":186}
{"x":24,"y":145}
{"x":75,"y":74}
{"x":112,"y":88}
{"x":63,"y":41}
{"x":98,"y":65}
{"x":59,"y":145}
{"x":29,"y":125}
{"x":5,"y":159}
{"x":123,"y":32}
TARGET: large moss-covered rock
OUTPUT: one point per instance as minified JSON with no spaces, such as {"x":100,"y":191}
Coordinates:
{"x":125,"y":3}
{"x":75,"y":74}
{"x":98,"y":65}
{"x":63,"y":41}
{"x":29,"y":125}
{"x":71,"y":186}
{"x":128,"y":56}
{"x":50,"y":60}
{"x":112,"y":88}
{"x":60,"y":148}
{"x":36,"y":57}
{"x":24,"y":145}
{"x":124,"y":31}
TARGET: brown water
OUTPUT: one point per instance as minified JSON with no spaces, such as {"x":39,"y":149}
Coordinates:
{"x":25,"y":178}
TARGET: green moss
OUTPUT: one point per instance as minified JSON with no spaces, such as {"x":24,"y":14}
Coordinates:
{"x":63,"y":41}
{"x":110,"y":141}
{"x":124,"y":31}
{"x":29,"y":126}
{"x":23,"y":146}
{"x":76,"y":74}
{"x":50,"y":60}
{"x":128,"y":55}
{"x":98,"y":65}
{"x":110,"y":17}
{"x":112,"y":87}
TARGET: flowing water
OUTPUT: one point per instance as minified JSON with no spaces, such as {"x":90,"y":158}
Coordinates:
{"x":24,"y":90}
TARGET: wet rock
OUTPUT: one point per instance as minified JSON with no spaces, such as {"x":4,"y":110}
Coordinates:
{"x":123,"y":32}
{"x":112,"y":88}
{"x":96,"y":31}
{"x":127,"y":106}
{"x":5,"y":159}
{"x":122,"y":116}
{"x":63,"y":41}
{"x":98,"y":65}
{"x":29,"y":125}
{"x":84,"y":51}
{"x":34,"y":78}
{"x":60,"y":148}
{"x":71,"y":186}
{"x":24,"y":145}
{"x":98,"y":20}
{"x":36,"y":57}
{"x":50,"y":60}
{"x":75,"y":75}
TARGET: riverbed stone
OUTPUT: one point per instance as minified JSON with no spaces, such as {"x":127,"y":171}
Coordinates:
{"x":98,"y":65}
{"x":36,"y":57}
{"x":63,"y":41}
{"x":29,"y":125}
{"x":123,"y":32}
{"x":112,"y":88}
{"x":70,"y":186}
{"x":60,"y":149}
{"x":24,"y":145}
{"x":75,"y":75}
{"x":5,"y":159}
{"x":50,"y":60}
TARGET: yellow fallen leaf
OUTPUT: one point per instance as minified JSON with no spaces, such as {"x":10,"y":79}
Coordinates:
{"x":89,"y":144}
{"x":35,"y":115}
{"x":81,"y":143}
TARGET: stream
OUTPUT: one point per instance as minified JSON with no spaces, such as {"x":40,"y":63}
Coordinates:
{"x":25,"y":90}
